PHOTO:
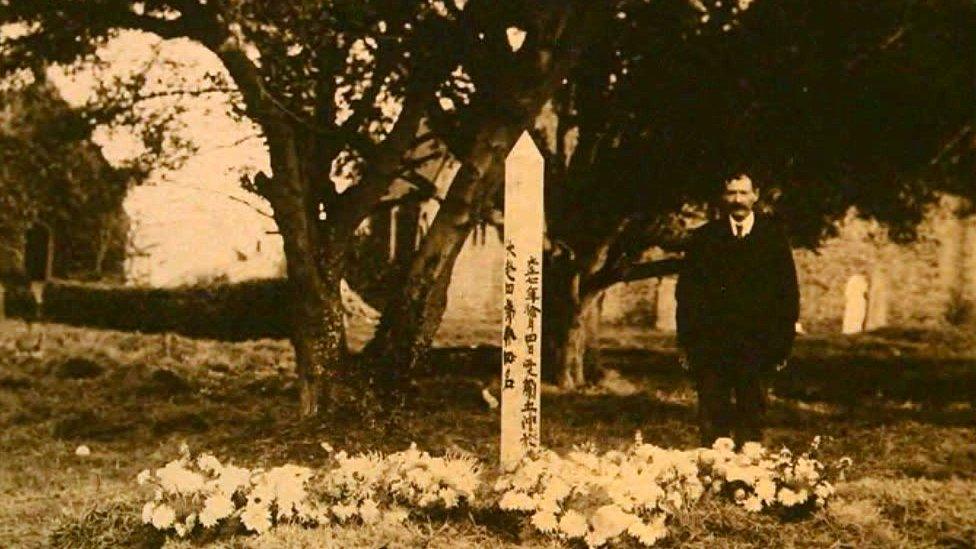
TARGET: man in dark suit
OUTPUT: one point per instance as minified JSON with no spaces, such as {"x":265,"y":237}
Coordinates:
{"x":738,"y":304}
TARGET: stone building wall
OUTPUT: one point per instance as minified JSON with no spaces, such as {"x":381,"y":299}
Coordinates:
{"x":929,"y":282}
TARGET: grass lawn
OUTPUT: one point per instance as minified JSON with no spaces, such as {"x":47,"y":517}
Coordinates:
{"x":899,"y":402}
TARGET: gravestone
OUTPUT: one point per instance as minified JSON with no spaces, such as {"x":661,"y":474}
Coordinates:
{"x":38,"y":253}
{"x":522,"y":302}
{"x":666,"y":318}
{"x":855,"y":304}
{"x":38,"y":260}
{"x":877,"y":315}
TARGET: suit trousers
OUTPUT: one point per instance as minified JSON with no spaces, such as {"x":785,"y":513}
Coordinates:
{"x":721,"y":415}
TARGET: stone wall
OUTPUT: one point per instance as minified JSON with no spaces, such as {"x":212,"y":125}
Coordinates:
{"x":928,"y":282}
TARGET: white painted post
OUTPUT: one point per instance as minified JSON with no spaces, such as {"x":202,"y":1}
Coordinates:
{"x":855,"y":304}
{"x":522,"y":302}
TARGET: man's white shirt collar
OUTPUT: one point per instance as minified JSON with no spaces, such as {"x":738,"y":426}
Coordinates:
{"x":746,"y":224}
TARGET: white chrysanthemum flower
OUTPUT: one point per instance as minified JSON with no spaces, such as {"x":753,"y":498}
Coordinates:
{"x":806,"y":470}
{"x":788,"y":497}
{"x":649,"y":533}
{"x":735,"y":472}
{"x":147,"y":512}
{"x":557,"y":489}
{"x":449,"y":496}
{"x":216,"y":507}
{"x":573,"y":524}
{"x":676,"y":499}
{"x":427,"y":499}
{"x":693,"y":490}
{"x":163,"y":517}
{"x":502,"y":484}
{"x":824,"y":490}
{"x":593,"y":539}
{"x":397,"y":515}
{"x":707,"y":457}
{"x":547,"y":505}
{"x":802,"y":496}
{"x":753,"y":450}
{"x":231,"y":479}
{"x":618,"y":490}
{"x":766,"y":490}
{"x":516,"y":501}
{"x":545,"y":522}
{"x":420,"y":478}
{"x":369,"y":511}
{"x":207,"y":462}
{"x":256,"y":517}
{"x":344,"y":512}
{"x":181,"y":530}
{"x":752,"y":504}
{"x":585,"y":459}
{"x":647,"y":492}
{"x":686,"y":467}
{"x":609,"y":521}
{"x":644,"y":451}
{"x":286,"y":486}
{"x":175,"y":478}
{"x":724,"y":445}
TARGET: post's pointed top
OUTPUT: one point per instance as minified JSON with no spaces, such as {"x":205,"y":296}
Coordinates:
{"x":525,"y":147}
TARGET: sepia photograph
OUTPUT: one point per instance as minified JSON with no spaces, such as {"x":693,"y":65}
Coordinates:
{"x":487,"y":273}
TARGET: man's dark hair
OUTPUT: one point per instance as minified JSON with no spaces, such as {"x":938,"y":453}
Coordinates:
{"x":733,"y":177}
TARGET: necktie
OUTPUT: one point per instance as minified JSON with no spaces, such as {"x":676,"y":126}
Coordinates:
{"x":738,"y":230}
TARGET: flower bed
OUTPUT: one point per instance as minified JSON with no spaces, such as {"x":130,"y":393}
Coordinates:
{"x":582,"y":497}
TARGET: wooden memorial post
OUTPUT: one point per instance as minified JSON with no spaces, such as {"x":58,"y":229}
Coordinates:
{"x":522,"y":302}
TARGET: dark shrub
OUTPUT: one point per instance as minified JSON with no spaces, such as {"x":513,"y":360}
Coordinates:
{"x":248,"y":310}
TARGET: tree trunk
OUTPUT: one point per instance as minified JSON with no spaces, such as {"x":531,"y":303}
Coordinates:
{"x":576,"y":356}
{"x":412,"y":317}
{"x":318,"y":332}
{"x":315,"y":254}
{"x":406,"y":227}
{"x":408,"y":325}
{"x":570,"y":327}
{"x":318,"y":336}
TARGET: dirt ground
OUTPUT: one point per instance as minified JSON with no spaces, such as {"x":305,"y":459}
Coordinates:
{"x":899,"y":402}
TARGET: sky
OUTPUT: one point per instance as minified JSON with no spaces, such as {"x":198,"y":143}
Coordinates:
{"x":194,"y":222}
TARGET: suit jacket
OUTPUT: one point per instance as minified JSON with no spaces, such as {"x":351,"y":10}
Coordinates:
{"x":738,"y":298}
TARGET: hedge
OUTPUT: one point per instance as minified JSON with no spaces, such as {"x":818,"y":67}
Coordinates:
{"x":247,"y":310}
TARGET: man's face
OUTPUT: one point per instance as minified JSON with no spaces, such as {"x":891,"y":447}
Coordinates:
{"x":739,"y":197}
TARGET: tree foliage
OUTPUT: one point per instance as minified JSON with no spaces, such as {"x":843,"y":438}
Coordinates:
{"x":51,"y":173}
{"x":826,"y":106}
